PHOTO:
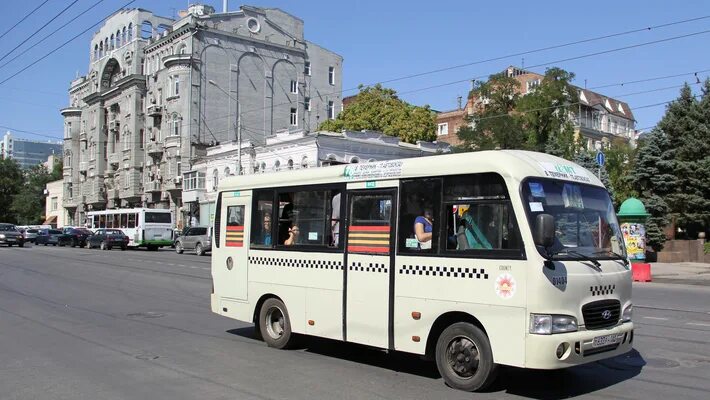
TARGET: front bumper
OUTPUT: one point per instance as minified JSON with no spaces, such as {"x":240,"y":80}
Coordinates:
{"x":11,"y":240}
{"x":540,"y":350}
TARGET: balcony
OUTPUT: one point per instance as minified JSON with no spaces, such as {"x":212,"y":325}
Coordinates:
{"x":152,"y":187}
{"x":172,"y":141}
{"x":155,"y":110}
{"x":154,"y":148}
{"x":174,"y":183}
{"x":114,"y":125}
{"x":114,"y":158}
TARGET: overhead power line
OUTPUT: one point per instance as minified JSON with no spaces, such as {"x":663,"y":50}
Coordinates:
{"x":64,"y":44}
{"x":51,"y":33}
{"x":24,"y":18}
{"x":46,"y":24}
{"x":650,"y":79}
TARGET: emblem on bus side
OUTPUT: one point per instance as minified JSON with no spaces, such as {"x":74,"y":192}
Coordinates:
{"x":505,"y":286}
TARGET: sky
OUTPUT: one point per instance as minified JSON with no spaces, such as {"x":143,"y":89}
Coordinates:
{"x":385,"y":40}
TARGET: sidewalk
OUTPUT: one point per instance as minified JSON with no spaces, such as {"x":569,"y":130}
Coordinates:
{"x":687,"y":273}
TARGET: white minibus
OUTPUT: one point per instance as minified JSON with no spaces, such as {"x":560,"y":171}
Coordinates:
{"x":145,"y":227}
{"x":474,"y":260}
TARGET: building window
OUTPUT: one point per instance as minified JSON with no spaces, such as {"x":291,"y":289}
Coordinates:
{"x":70,"y":193}
{"x":215,"y":179}
{"x":226,"y":171}
{"x":67,"y":130}
{"x":331,"y":110}
{"x":176,"y":85}
{"x":294,"y":87}
{"x":443,"y":129}
{"x":176,"y":122}
{"x":118,"y":39}
{"x":105,"y":150}
{"x":96,"y":52}
{"x":331,"y":75}
{"x":531,"y":85}
{"x":307,"y":103}
{"x":101,"y":49}
{"x":113,"y":42}
{"x":307,"y":68}
{"x":54,"y":204}
{"x":142,"y":138}
{"x":294,"y":117}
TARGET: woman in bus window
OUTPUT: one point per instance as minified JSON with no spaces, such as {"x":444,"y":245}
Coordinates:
{"x":293,"y":233}
{"x":423,"y":226}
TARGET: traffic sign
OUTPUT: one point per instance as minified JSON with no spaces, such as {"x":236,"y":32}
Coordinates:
{"x":601,"y":158}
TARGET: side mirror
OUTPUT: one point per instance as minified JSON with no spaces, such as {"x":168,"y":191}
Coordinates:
{"x":544,"y":230}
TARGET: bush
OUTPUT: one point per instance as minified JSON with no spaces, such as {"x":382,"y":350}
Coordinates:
{"x":707,"y":248}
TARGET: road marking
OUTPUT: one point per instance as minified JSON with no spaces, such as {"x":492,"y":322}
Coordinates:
{"x":697,"y":324}
{"x":657,"y":318}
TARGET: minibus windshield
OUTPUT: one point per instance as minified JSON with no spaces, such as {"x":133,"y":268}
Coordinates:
{"x":585,"y":222}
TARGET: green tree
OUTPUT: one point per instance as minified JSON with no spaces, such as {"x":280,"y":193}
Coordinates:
{"x":494,"y":126}
{"x":620,"y":159}
{"x":29,"y":202}
{"x":539,"y":120}
{"x":587,"y":159}
{"x":653,"y":179}
{"x":546,"y":114}
{"x":10,"y":183}
{"x":379,"y":109}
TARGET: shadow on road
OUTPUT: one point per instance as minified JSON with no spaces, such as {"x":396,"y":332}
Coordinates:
{"x":535,"y":384}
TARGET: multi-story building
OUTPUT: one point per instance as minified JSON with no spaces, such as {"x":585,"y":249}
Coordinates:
{"x":287,"y":151}
{"x":160,"y":91}
{"x":55,"y":214}
{"x":28,"y":153}
{"x":598,"y":119}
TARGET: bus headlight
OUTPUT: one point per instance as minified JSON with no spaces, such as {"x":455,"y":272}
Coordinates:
{"x":546,"y":324}
{"x":626,"y":315}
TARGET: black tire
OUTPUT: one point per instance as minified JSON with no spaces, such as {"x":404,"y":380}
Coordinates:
{"x":178,"y":248}
{"x":21,"y":245}
{"x":275,"y":324}
{"x":74,"y":243}
{"x":9,"y":245}
{"x":54,"y":244}
{"x":464,"y":357}
{"x":123,"y":248}
{"x":46,"y":244}
{"x":199,"y":250}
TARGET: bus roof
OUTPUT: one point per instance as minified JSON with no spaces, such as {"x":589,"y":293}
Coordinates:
{"x":516,"y":164}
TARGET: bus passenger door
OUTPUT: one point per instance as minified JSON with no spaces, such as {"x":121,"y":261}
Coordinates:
{"x":369,"y":243}
{"x":229,"y":247}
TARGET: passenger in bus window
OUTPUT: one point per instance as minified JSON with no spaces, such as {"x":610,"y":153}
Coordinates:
{"x":293,"y":233}
{"x":423,"y":226}
{"x":266,"y":230}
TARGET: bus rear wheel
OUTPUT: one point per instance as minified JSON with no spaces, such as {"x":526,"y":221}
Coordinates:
{"x":464,"y":357}
{"x":275,"y":324}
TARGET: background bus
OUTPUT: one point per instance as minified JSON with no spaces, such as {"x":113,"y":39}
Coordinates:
{"x":145,"y":227}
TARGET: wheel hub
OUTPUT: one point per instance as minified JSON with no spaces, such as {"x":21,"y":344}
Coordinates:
{"x":463,"y":357}
{"x":275,"y":323}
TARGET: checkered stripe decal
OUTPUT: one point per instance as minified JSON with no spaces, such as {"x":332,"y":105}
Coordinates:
{"x":369,"y":267}
{"x":455,"y":272}
{"x":295,"y":263}
{"x":602,"y":290}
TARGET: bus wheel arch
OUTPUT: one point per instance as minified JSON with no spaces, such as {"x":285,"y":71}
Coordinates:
{"x":257,"y":311}
{"x":444,"y":321}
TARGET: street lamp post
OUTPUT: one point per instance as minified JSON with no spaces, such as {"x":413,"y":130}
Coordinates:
{"x":239,"y":125}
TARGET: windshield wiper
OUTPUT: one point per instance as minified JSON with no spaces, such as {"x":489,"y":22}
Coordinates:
{"x":578,"y":254}
{"x":613,"y":253}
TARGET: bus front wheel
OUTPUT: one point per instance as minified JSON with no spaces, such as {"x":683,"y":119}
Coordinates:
{"x":275,"y":324}
{"x":464,"y":357}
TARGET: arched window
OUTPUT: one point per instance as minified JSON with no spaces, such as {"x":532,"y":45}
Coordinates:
{"x":118,"y":38}
{"x":123,"y":36}
{"x":101,"y":49}
{"x":215,"y":179}
{"x":175,"y":129}
{"x":263,"y":167}
{"x":130,"y":32}
{"x":113,"y":42}
{"x":277,"y":165}
{"x":304,"y":162}
{"x":96,"y":52}
{"x":226,"y":171}
{"x":146,"y":30}
{"x":106,"y":48}
{"x":289,"y":165}
{"x":182,"y":48}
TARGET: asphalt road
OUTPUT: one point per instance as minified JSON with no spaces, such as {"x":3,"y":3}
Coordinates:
{"x":91,"y":324}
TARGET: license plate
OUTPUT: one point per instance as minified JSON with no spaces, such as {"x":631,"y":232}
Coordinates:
{"x":607,"y":340}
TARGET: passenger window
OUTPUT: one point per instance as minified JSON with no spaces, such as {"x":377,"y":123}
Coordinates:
{"x":262,"y":227}
{"x":420,"y":207}
{"x":479,"y":214}
{"x":235,"y":226}
{"x":305,"y":218}
{"x":369,"y":231}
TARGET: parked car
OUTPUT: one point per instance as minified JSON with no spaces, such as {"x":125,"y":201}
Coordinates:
{"x":196,"y":238}
{"x":74,"y":237}
{"x":30,"y":234}
{"x":47,"y":237}
{"x":106,"y":239}
{"x":9,"y":235}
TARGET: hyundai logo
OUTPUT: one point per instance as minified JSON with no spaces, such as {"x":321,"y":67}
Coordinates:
{"x":606,"y":314}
